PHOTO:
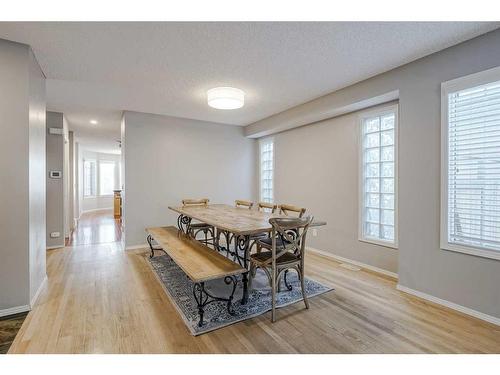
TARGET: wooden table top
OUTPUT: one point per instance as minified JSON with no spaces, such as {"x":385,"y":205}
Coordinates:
{"x":238,"y":220}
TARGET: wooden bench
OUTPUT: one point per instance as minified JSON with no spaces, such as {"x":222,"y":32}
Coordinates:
{"x":199,"y":262}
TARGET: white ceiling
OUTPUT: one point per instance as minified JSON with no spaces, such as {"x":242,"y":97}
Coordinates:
{"x":100,"y":69}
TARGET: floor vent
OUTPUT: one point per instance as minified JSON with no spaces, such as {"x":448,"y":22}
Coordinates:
{"x":350,"y":267}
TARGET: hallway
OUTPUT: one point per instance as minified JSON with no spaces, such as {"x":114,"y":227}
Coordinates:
{"x":96,"y":227}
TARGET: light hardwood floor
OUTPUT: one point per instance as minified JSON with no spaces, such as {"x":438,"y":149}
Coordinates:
{"x":101,"y":299}
{"x":96,"y":227}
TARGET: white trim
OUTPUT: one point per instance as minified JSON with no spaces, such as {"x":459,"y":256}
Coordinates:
{"x":54,"y":247}
{"x":392,"y":108}
{"x":451,"y":305}
{"x":94,"y":210}
{"x":37,"y":294}
{"x":354,"y":262}
{"x":14,"y":310}
{"x":135,"y":247}
{"x":461,"y":83}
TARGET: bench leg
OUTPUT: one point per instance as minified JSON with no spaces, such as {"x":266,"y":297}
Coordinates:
{"x":204,"y":298}
{"x":150,"y":239}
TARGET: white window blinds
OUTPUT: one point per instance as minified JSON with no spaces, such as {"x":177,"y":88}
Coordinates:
{"x":266,"y":170}
{"x":378,"y":179}
{"x":473,"y":164}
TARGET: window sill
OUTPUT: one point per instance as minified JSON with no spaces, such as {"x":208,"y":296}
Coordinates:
{"x":374,"y":241}
{"x":483,"y":253}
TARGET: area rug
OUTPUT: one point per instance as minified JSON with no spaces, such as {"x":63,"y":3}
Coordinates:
{"x":179,"y":288}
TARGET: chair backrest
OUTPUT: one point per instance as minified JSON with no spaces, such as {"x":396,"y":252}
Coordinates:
{"x":195,"y":202}
{"x":292,"y":232}
{"x":286,"y":209}
{"x":262,"y":206}
{"x":240,"y":203}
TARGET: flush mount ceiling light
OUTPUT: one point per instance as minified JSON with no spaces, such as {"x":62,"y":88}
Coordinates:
{"x":93,"y":122}
{"x":225,"y":98}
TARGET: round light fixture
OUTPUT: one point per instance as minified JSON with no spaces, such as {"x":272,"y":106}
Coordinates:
{"x":93,"y":122}
{"x":225,"y":98}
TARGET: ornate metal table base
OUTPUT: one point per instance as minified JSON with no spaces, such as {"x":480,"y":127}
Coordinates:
{"x":204,"y":298}
{"x":183,"y":223}
{"x":240,"y":253}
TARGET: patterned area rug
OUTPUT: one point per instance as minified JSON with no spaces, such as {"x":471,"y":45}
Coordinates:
{"x":180,"y":290}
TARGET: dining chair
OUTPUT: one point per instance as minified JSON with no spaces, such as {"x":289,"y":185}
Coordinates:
{"x":195,"y":228}
{"x":263,"y":207}
{"x":246,"y":204}
{"x":285,"y":251}
{"x":269,"y":207}
{"x":286,"y":209}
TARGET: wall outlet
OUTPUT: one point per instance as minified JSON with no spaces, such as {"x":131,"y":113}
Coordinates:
{"x":314,"y":232}
{"x":55,"y":235}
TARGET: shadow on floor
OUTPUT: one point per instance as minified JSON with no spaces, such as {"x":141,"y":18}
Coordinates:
{"x":9,"y":326}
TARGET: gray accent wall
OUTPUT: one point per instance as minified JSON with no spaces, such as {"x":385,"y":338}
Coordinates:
{"x":55,"y":187}
{"x":167,"y":159}
{"x":317,"y":167}
{"x":466,"y":280}
{"x":22,"y":176}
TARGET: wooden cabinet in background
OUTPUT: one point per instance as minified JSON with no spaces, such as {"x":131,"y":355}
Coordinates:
{"x":117,"y":204}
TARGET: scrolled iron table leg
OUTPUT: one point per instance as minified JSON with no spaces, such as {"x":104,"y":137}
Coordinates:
{"x":241,"y":244}
{"x":183,"y":223}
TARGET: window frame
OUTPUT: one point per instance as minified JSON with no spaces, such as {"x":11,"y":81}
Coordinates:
{"x":381,"y":111}
{"x":454,"y":85}
{"x":94,"y":190}
{"x":263,"y":141}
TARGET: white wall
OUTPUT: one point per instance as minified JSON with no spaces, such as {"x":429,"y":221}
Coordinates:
{"x":37,"y":105}
{"x":98,"y":202}
{"x":466,"y":280}
{"x":317,"y":167}
{"x":22,"y":176}
{"x":168,"y":159}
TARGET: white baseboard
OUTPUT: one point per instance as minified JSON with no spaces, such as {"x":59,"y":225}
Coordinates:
{"x":451,"y":305}
{"x":135,"y":247}
{"x":95,"y":210}
{"x":14,"y":310}
{"x":355,"y":262}
{"x":54,"y":247}
{"x":37,"y":294}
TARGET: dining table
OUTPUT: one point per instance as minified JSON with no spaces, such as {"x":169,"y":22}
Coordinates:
{"x":236,"y":225}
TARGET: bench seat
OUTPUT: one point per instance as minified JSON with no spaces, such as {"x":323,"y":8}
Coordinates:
{"x":199,"y":262}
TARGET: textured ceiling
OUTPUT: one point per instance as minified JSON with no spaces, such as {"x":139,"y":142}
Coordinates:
{"x":165,"y":68}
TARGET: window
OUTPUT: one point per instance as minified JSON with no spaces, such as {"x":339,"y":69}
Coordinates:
{"x":89,"y":178}
{"x":470,"y":189}
{"x":378,"y":177}
{"x":266,"y":170}
{"x":106,"y":177}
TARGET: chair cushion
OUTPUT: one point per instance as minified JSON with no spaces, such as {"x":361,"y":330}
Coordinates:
{"x":266,"y":255}
{"x":200,"y":225}
{"x":268,"y":243}
{"x":258,"y":236}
